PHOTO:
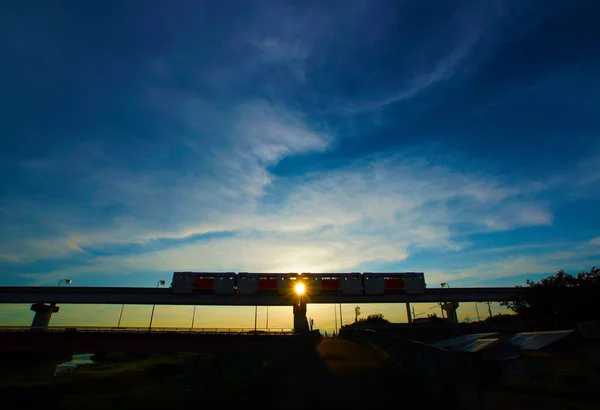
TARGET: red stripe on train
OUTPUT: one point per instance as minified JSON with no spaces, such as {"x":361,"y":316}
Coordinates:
{"x":331,"y":284}
{"x":394,"y":284}
{"x":267,"y":284}
{"x":204,"y":283}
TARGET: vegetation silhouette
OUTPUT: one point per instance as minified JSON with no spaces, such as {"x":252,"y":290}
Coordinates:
{"x":559,"y":301}
{"x":374,"y":318}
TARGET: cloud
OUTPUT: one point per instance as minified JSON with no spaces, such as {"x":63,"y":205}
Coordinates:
{"x":511,"y":261}
{"x":225,"y":173}
{"x":204,"y":161}
{"x":373,"y":211}
{"x":444,"y":52}
{"x":273,"y":49}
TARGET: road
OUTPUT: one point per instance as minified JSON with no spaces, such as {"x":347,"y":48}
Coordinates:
{"x":345,"y":375}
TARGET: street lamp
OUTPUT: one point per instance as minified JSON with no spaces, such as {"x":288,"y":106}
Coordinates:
{"x":443,"y":285}
{"x":52,"y":304}
{"x":159,"y":283}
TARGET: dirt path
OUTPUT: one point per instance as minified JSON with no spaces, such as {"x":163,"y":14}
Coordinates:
{"x":344,"y":375}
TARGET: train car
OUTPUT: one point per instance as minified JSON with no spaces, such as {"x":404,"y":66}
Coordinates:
{"x":218,"y":283}
{"x":343,"y":283}
{"x":252,"y":283}
{"x":373,"y":283}
{"x":352,"y":283}
{"x":393,"y":282}
{"x":414,"y":283}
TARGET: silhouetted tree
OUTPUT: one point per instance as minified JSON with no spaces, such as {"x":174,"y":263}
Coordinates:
{"x":374,"y":318}
{"x":560,"y":299}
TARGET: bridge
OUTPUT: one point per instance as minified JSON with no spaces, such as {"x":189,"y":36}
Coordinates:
{"x":158,"y":296}
{"x":45,"y":299}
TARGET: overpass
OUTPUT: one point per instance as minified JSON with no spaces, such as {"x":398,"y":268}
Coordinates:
{"x":158,"y":296}
{"x":39,"y":296}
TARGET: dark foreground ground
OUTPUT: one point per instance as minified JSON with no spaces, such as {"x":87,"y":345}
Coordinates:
{"x":346,"y":375}
{"x":334,"y":373}
{"x":330,"y":373}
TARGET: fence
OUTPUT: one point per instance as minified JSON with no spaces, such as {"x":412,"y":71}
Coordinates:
{"x":453,"y":377}
{"x":84,"y":329}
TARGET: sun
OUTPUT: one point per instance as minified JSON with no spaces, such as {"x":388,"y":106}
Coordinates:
{"x":300,"y":289}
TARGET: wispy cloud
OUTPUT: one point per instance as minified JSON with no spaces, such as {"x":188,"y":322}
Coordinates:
{"x":226,"y":174}
{"x":377,"y":210}
{"x":449,"y":47}
{"x":197,"y":181}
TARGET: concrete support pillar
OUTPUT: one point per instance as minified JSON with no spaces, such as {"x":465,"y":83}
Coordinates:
{"x":450,"y":308}
{"x":43,"y":314}
{"x":300,"y":321}
{"x":408,"y":314}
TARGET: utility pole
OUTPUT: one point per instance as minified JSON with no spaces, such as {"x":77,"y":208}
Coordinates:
{"x":255,"y":312}
{"x":267,"y":325}
{"x":477,"y":310}
{"x":193,"y":317}
{"x":341,"y":320}
{"x":120,"y":316}
{"x":489,"y":308}
{"x":335,"y":317}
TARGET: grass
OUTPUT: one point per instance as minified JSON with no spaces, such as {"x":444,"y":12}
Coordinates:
{"x":115,"y":384}
{"x":118,"y":382}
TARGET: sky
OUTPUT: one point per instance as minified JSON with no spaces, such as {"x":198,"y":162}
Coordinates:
{"x":456,"y":138}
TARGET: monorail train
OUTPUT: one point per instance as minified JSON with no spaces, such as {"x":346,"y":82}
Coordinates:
{"x":245,"y":283}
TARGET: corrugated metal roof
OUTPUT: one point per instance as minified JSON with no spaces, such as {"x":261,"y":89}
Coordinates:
{"x":537,"y":340}
{"x":478,"y":345}
{"x":461,"y":342}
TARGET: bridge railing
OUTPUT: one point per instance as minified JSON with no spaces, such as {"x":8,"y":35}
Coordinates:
{"x":453,"y":377}
{"x":111,"y":329}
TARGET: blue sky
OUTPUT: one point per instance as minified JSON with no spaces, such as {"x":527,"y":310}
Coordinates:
{"x":455,"y":138}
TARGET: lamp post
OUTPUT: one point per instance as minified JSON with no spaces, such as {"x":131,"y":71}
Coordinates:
{"x":443,"y":285}
{"x":159,"y":283}
{"x":67,"y":282}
